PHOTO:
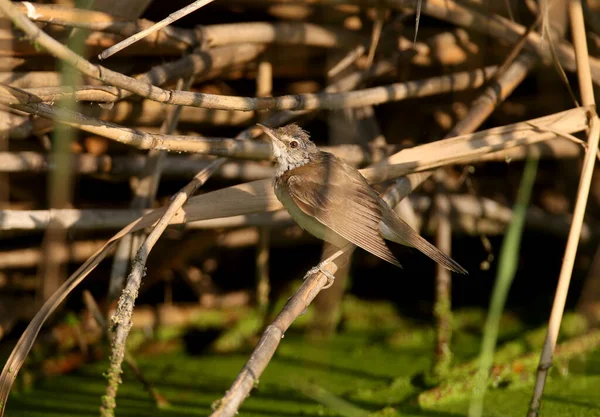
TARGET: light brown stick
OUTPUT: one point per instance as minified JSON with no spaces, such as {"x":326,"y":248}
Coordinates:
{"x":587,"y":98}
{"x":154,"y":28}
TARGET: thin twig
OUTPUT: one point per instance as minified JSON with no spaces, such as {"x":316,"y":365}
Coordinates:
{"x":442,"y":310}
{"x":417,"y":20}
{"x":157,"y":26}
{"x":264,"y":87}
{"x":94,"y":310}
{"x":375,"y":34}
{"x":121,"y":320}
{"x":587,"y":98}
{"x":264,"y":350}
{"x":350,"y":58}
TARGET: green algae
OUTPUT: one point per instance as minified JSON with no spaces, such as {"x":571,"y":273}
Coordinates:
{"x":356,"y":372}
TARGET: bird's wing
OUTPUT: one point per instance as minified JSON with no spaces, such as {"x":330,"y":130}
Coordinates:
{"x":345,"y":204}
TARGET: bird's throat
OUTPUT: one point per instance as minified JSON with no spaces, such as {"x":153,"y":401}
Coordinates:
{"x":287,"y":164}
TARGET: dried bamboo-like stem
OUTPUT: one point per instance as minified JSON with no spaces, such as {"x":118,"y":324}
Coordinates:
{"x":443,"y":285}
{"x":202,"y":64}
{"x":209,"y":36}
{"x":258,"y":195}
{"x":459,"y":81}
{"x":94,"y":310}
{"x":482,"y":107}
{"x":121,"y":320}
{"x":486,"y":141}
{"x":471,"y":217}
{"x":187,"y":166}
{"x":351,"y":99}
{"x":264,"y":350}
{"x":144,"y":195}
{"x":154,"y":28}
{"x":95,"y":20}
{"x":587,"y":98}
{"x":497,"y":26}
{"x":264,"y":87}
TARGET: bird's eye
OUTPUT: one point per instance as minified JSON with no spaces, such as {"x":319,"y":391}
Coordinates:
{"x":293,"y":144}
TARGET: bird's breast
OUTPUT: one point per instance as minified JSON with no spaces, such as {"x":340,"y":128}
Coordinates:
{"x":305,"y":221}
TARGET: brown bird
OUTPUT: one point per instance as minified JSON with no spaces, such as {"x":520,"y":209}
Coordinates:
{"x":334,"y":202}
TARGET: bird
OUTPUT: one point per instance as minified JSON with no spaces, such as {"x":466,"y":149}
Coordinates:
{"x":333,"y":201}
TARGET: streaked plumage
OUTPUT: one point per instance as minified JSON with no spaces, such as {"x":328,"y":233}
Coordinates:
{"x":334,"y":202}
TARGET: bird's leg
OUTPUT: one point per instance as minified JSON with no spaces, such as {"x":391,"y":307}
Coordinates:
{"x":321,"y":268}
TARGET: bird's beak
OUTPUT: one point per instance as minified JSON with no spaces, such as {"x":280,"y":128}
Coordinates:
{"x":270,"y":133}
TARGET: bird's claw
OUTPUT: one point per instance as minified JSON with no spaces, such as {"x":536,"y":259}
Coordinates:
{"x":321,"y":268}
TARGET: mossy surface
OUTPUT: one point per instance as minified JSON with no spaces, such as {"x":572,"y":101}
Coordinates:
{"x":378,"y":372}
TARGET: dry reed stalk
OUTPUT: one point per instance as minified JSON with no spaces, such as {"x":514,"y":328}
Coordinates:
{"x":121,"y":319}
{"x":202,"y":64}
{"x":173,"y":39}
{"x":486,"y":142}
{"x":462,"y":15}
{"x":142,"y":244}
{"x":264,"y":88}
{"x":587,"y":98}
{"x":35,"y":79}
{"x":95,"y":20}
{"x":151,"y":113}
{"x":154,"y":28}
{"x":146,"y":185}
{"x":267,"y":345}
{"x":27,"y":258}
{"x":469,"y":216}
{"x":94,"y":310}
{"x":457,"y":82}
{"x":258,"y":196}
{"x":481,"y":109}
{"x":443,"y":283}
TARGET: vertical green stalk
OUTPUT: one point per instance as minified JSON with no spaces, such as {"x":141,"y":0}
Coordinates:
{"x":507,"y":267}
{"x":60,"y":177}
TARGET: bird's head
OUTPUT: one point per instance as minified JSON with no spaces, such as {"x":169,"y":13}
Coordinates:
{"x":292,"y":146}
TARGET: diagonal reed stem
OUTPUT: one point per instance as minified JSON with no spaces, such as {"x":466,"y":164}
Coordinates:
{"x":587,"y":98}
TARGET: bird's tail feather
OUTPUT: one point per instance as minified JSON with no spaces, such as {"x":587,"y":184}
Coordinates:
{"x":397,"y":230}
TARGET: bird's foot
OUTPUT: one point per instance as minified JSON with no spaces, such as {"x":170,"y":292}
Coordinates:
{"x":321,"y":268}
